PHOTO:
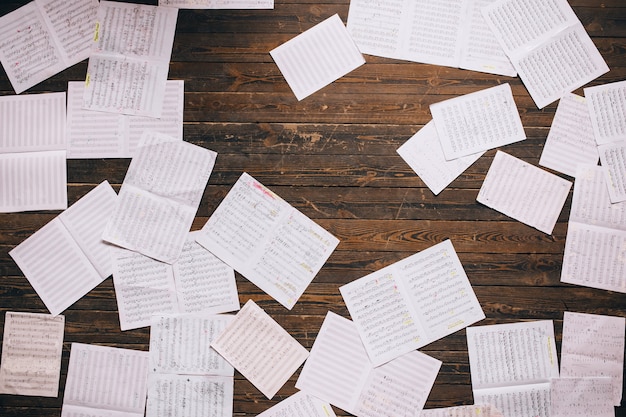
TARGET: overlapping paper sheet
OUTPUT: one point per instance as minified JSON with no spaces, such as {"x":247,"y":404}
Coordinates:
{"x":198,"y":282}
{"x":160,"y":196}
{"x":595,"y":246}
{"x":267,"y":240}
{"x":67,"y":257}
{"x":424,"y":154}
{"x":187,"y":377}
{"x":570,"y":140}
{"x":607,"y":109}
{"x":31,"y":354}
{"x":463,"y":411}
{"x":613,"y":159}
{"x":478,"y":121}
{"x":317,"y":57}
{"x":339,"y":371}
{"x":593,"y":346}
{"x":129,"y":58}
{"x":218,"y":4}
{"x":260,"y":349}
{"x":511,"y":366}
{"x":581,"y":397}
{"x":105,"y":381}
{"x":411,"y":303}
{"x":43,"y":38}
{"x":524,"y":192}
{"x":97,"y":134}
{"x":33,"y":167}
{"x":439,"y":32}
{"x":547,"y":44}
{"x":302,"y":405}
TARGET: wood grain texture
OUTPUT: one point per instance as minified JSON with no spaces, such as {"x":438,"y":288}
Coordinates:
{"x":333,"y":156}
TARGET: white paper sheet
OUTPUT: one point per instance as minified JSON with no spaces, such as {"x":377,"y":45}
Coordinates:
{"x":31,"y":354}
{"x":595,"y":247}
{"x":513,"y":361}
{"x":116,"y":377}
{"x":189,"y":396}
{"x":181,"y":344}
{"x":317,"y":57}
{"x":96,"y":134}
{"x":302,"y":405}
{"x":613,"y":159}
{"x":593,"y":346}
{"x":218,"y":4}
{"x":262,"y":351}
{"x":268,"y":241}
{"x":607,"y":109}
{"x":411,"y":303}
{"x":571,"y":140}
{"x":67,"y":258}
{"x":547,"y":45}
{"x":524,"y":192}
{"x":33,"y":173}
{"x":425,"y":156}
{"x":198,"y":282}
{"x":463,"y":411}
{"x":43,"y":38}
{"x":581,"y":397}
{"x":129,"y":58}
{"x":477,"y":121}
{"x":160,"y":197}
{"x":339,"y":371}
{"x":437,"y":32}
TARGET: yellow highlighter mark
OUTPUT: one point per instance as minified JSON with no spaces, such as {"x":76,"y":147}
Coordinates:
{"x":96,"y":34}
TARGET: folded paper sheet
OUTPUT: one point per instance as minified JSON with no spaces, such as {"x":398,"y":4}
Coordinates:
{"x":412,"y":303}
{"x":67,"y":257}
{"x":317,"y":57}
{"x":31,"y":354}
{"x":267,"y":240}
{"x":340,"y":372}
{"x":302,"y":405}
{"x":44,"y":37}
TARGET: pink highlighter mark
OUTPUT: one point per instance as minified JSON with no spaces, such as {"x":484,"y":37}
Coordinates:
{"x":264,"y":190}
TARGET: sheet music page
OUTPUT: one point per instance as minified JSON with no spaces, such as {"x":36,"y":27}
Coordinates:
{"x":117,"y":379}
{"x":180,"y":344}
{"x":519,"y":401}
{"x":317,"y":57}
{"x":607,"y":111}
{"x":423,"y":153}
{"x":581,"y":397}
{"x":378,"y":28}
{"x":547,"y":45}
{"x":338,"y":366}
{"x":57,"y":259}
{"x":189,"y":396}
{"x":300,"y":404}
{"x":96,"y":134}
{"x":129,"y":59}
{"x":593,"y":346}
{"x":398,"y":388}
{"x":31,"y":354}
{"x":166,"y":179}
{"x":613,"y":159}
{"x":477,"y":121}
{"x":143,"y":287}
{"x":570,"y":140}
{"x":463,"y":411}
{"x":18,"y":133}
{"x":260,"y":349}
{"x":411,"y":303}
{"x":524,"y":192}
{"x":204,"y":283}
{"x":218,"y":4}
{"x":269,"y":242}
{"x":512,"y":354}
{"x":78,"y":411}
{"x":480,"y":49}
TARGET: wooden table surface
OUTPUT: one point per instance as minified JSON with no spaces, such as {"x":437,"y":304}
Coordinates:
{"x":333,"y":156}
